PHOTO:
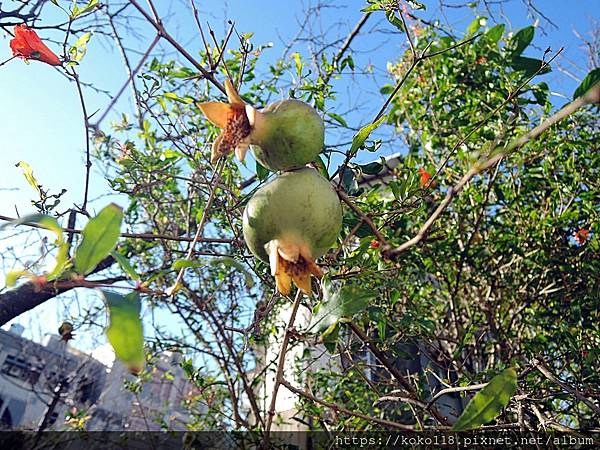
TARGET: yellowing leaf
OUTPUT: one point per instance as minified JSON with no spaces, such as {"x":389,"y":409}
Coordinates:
{"x":28,"y":174}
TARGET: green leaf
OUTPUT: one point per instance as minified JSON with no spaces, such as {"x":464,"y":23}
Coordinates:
{"x":339,"y":305}
{"x":125,"y":265}
{"x":359,"y":139}
{"x":13,"y":276}
{"x":28,"y":174}
{"x":394,"y":20}
{"x":591,"y":79}
{"x":99,"y":238}
{"x":76,"y":11}
{"x":321,"y":167}
{"x":522,"y":39}
{"x":489,"y":402}
{"x":495,"y":33}
{"x":540,"y":91}
{"x":349,"y":182}
{"x":261,"y":171}
{"x":529,"y":65}
{"x":89,"y":7}
{"x":475,"y":26}
{"x":40,"y":220}
{"x":298,"y":61}
{"x":230,"y":262}
{"x":377,"y":6}
{"x":372,"y":168}
{"x":339,"y":119}
{"x":187,"y":263}
{"x":125,"y":332}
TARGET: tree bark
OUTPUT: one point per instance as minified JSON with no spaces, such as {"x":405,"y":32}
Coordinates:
{"x":15,"y":302}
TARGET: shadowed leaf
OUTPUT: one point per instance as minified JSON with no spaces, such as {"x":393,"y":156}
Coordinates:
{"x":125,"y":332}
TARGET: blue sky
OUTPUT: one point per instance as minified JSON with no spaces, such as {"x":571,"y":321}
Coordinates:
{"x":40,"y":115}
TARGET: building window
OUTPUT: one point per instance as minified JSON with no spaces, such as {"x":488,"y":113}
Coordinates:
{"x":17,"y":367}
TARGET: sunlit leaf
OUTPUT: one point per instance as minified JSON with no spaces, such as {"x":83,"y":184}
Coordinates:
{"x":13,"y":276}
{"x":522,"y":39}
{"x":49,"y":223}
{"x":261,"y":171}
{"x":489,"y":402}
{"x":79,"y":49}
{"x":495,"y":33}
{"x":591,"y":79}
{"x":339,"y":119}
{"x":362,"y":135}
{"x":28,"y":174}
{"x":99,"y":238}
{"x":339,"y":304}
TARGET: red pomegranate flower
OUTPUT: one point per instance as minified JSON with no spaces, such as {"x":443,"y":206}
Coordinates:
{"x":27,"y":45}
{"x":581,"y":236}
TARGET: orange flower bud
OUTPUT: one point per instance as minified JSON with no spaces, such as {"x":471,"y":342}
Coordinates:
{"x":375,"y":243}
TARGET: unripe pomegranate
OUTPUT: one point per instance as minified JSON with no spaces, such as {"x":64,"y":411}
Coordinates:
{"x":285,"y":135}
{"x":290,"y":222}
{"x":288,"y":134}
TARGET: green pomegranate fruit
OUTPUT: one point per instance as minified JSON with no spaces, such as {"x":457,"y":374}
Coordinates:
{"x":290,"y":222}
{"x":288,"y":134}
{"x":285,"y":135}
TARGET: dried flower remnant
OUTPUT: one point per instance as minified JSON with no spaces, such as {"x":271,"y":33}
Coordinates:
{"x":290,"y":222}
{"x":285,"y":135}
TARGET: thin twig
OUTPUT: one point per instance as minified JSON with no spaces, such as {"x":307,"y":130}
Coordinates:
{"x":382,"y":358}
{"x":365,"y":218}
{"x":143,"y":236}
{"x":164,"y":34}
{"x":334,"y":407}
{"x":544,"y":370}
{"x":86,"y":124}
{"x":280,"y":366}
{"x":205,"y":213}
{"x":472,"y":387}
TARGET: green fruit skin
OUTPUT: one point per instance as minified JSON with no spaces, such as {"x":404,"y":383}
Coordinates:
{"x":292,"y":136}
{"x":300,"y":203}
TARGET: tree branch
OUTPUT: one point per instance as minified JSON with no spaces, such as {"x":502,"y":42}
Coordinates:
{"x":15,"y":302}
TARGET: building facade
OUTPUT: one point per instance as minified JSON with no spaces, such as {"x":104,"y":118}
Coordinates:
{"x":41,"y":384}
